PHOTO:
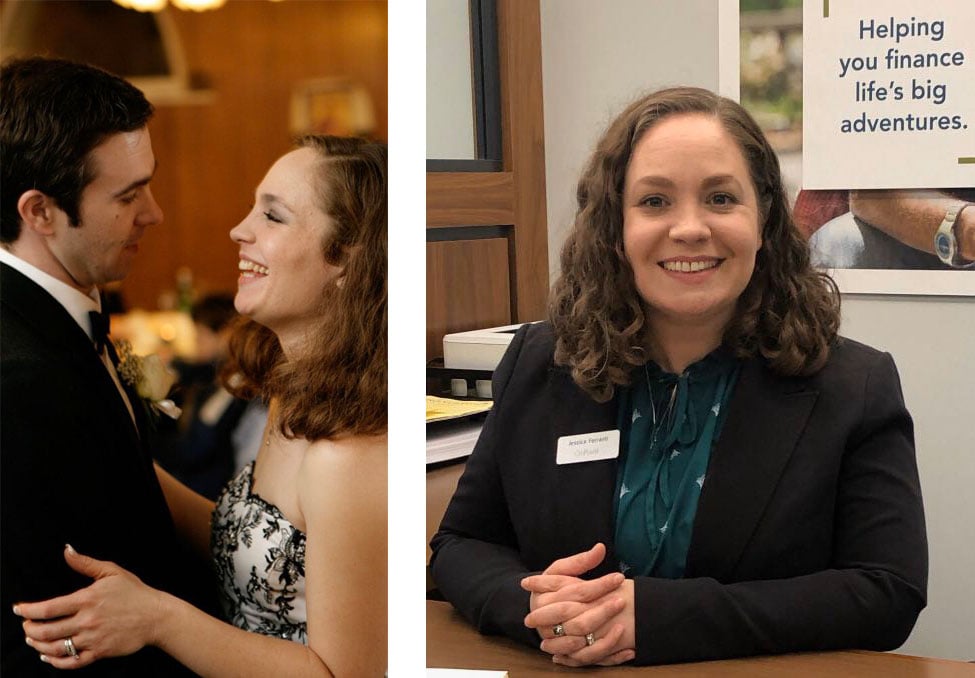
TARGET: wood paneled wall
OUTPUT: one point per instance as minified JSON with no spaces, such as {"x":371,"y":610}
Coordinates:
{"x":212,"y":156}
{"x":468,"y":288}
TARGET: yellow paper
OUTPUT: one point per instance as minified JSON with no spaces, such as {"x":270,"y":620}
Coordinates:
{"x":439,"y":409}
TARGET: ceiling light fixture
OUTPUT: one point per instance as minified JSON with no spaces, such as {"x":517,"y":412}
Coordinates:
{"x":158,"y":5}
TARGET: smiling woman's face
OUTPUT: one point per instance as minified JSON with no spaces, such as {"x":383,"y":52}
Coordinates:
{"x":690,"y":221}
{"x":282,"y":265}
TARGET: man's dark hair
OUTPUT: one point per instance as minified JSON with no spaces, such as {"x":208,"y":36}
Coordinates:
{"x":53,"y":113}
{"x":214,"y":311}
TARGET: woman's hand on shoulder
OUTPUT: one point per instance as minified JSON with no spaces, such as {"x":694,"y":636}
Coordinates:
{"x":116,"y":615}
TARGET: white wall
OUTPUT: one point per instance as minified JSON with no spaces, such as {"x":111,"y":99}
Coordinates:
{"x":932,"y":340}
{"x":596,"y":57}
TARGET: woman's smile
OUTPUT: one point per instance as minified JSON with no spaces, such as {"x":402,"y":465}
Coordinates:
{"x":250,"y":271}
{"x":691,"y":268}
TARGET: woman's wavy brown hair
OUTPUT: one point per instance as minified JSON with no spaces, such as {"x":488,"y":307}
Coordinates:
{"x":339,"y":386}
{"x":788,"y":313}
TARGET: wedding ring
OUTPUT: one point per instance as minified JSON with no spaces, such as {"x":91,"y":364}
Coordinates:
{"x":69,"y":649}
{"x":558,"y":630}
{"x":590,"y":639}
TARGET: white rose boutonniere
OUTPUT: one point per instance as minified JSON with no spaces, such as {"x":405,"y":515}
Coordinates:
{"x":150,"y":378}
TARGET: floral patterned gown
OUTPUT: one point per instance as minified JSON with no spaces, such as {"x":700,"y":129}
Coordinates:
{"x":260,"y":562}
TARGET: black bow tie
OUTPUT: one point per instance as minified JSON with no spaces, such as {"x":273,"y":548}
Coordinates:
{"x":99,"y":329}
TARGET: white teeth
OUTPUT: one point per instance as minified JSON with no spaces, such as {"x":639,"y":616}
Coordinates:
{"x":245,"y":265}
{"x":690,"y":266}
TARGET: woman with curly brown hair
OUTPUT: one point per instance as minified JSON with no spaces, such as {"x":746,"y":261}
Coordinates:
{"x":299,"y":537}
{"x":687,"y":462}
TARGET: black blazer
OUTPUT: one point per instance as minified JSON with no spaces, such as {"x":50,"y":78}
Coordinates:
{"x":74,"y":469}
{"x":809,"y":533}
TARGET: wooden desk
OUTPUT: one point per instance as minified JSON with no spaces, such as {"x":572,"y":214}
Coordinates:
{"x":453,"y":643}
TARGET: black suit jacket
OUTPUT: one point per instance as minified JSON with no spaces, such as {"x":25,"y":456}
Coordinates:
{"x":74,"y":469}
{"x":809,"y":533}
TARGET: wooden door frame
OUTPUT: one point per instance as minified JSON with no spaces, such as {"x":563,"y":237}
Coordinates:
{"x":516,"y":195}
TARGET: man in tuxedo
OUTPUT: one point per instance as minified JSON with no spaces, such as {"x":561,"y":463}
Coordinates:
{"x":74,"y":465}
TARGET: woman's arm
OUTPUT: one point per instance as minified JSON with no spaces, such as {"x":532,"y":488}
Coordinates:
{"x":476,"y":563}
{"x":119,"y":615}
{"x":342,"y":496}
{"x":342,"y":493}
{"x":191,"y":512}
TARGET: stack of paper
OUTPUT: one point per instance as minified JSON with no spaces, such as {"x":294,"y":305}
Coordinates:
{"x":452,"y":439}
{"x":465,"y":673}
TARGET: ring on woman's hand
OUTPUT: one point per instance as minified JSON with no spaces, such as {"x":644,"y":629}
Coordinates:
{"x":69,"y":648}
{"x":558,"y":630}
{"x":590,"y":639}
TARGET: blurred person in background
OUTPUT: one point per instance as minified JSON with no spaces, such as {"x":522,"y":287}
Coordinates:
{"x":217,"y":433}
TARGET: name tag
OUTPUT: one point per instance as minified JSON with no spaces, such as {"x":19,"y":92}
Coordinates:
{"x":588,"y":447}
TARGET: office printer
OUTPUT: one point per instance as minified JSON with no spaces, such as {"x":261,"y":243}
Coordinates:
{"x":477,"y":349}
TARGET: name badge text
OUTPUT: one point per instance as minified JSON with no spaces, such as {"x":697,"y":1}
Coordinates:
{"x":588,"y":447}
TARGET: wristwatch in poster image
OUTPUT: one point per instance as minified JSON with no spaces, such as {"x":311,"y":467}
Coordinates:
{"x":945,"y":242}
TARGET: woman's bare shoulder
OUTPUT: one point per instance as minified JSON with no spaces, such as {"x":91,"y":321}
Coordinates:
{"x":349,"y":451}
{"x":342,"y":470}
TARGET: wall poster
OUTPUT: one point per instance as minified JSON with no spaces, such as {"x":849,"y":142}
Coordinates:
{"x":871,"y":106}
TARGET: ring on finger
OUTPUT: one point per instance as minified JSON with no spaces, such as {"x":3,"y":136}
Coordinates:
{"x":590,"y":639}
{"x":69,"y":648}
{"x":558,"y":630}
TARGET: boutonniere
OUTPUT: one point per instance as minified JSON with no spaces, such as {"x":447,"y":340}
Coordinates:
{"x":148,"y":377}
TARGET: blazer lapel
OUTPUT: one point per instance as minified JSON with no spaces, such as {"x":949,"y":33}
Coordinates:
{"x":584,"y":490}
{"x":50,"y":321}
{"x":766,"y":418}
{"x":37,"y":308}
{"x":138,"y":409}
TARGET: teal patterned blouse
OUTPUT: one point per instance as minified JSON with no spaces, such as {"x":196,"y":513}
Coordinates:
{"x":668,"y":425}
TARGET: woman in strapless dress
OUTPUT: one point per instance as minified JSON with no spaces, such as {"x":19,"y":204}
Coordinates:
{"x":298,"y":538}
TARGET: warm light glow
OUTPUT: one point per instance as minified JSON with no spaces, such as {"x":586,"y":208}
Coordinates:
{"x":167,"y":332}
{"x":198,"y":5}
{"x":157,"y":5}
{"x":142,"y":5}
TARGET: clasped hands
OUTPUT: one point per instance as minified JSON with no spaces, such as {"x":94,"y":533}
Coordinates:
{"x":602,"y":607}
